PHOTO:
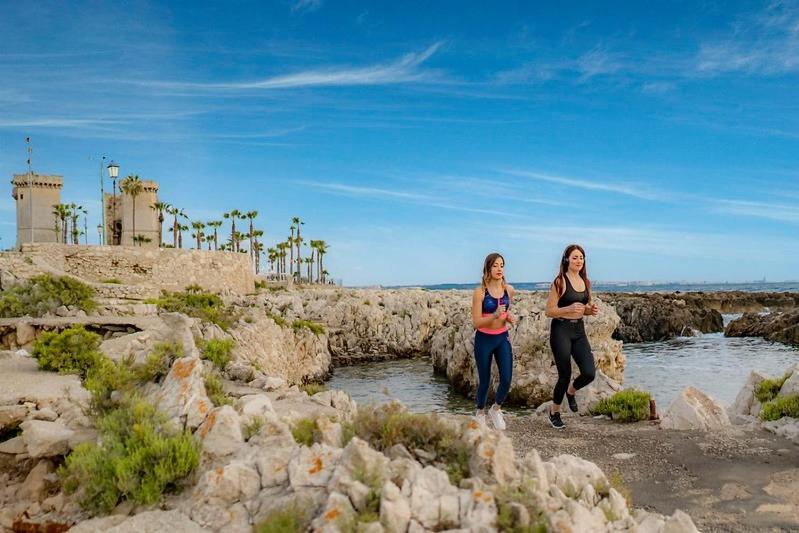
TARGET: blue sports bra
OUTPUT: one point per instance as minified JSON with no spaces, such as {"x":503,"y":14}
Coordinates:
{"x":490,"y":304}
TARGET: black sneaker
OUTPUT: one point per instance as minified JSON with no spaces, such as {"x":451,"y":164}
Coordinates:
{"x":572,"y":402}
{"x":555,"y":421}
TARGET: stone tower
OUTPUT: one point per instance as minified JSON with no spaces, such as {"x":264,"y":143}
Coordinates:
{"x":146,"y":216}
{"x":46,"y":192}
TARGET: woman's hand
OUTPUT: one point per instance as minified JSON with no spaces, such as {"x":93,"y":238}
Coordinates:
{"x":576,"y":308}
{"x":592,"y":310}
{"x":509,"y":318}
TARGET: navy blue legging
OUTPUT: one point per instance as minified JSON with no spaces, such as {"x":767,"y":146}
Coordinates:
{"x":498,"y":346}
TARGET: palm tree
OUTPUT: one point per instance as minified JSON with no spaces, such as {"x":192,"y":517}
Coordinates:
{"x":291,"y":245}
{"x":175,"y":212}
{"x":233,"y":215}
{"x":139,"y":239}
{"x":256,"y":246}
{"x":321,"y":249}
{"x":216,"y":224}
{"x":281,"y":255}
{"x":85,"y":223}
{"x":198,"y":232}
{"x":271,"y":256}
{"x":61,"y":211}
{"x":296,"y":221}
{"x":257,"y":249}
{"x":209,"y":239}
{"x":160,"y":208}
{"x":308,"y":262}
{"x":250,"y":215}
{"x":74,"y":215}
{"x":325,"y":274}
{"x":182,"y":228}
{"x":133,"y":186}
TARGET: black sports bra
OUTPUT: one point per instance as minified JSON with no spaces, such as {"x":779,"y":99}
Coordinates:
{"x":571,"y":296}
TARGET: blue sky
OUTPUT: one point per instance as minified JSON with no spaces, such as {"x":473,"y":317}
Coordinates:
{"x":415,"y":139}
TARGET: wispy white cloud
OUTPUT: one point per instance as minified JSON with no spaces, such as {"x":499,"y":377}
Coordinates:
{"x":305,"y":6}
{"x":768,"y":210}
{"x":401,"y":195}
{"x":618,"y":188}
{"x":57,"y":122}
{"x":764,"y":43}
{"x":404,"y":70}
{"x":596,"y":62}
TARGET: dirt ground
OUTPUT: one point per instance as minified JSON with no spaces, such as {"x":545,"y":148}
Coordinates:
{"x":737,"y":480}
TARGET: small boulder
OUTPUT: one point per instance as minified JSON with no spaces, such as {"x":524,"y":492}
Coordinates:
{"x":693,"y":409}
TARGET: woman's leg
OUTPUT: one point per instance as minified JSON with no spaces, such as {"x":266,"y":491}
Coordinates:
{"x":482,"y":360}
{"x":561,"y":344}
{"x":581,"y":350}
{"x":504,"y":356}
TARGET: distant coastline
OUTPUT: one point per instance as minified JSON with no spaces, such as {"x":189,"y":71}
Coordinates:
{"x":639,"y":286}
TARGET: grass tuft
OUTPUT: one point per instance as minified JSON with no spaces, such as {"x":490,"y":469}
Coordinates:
{"x":625,"y":406}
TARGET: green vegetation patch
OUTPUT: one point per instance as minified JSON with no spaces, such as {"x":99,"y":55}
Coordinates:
{"x":44,"y":294}
{"x":523,"y":494}
{"x":214,"y":389}
{"x":158,"y":362}
{"x":140,"y":456}
{"x":306,"y":431}
{"x":72,"y":351}
{"x":202,"y":305}
{"x":218,"y":351}
{"x":313,"y":388}
{"x":385,"y":425}
{"x":288,"y":519}
{"x":277,"y":319}
{"x":625,"y":406}
{"x":768,"y":389}
{"x":315,"y":327}
{"x":779,"y":407}
{"x":114,"y":281}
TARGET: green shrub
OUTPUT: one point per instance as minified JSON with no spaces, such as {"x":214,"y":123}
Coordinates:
{"x":140,"y":456}
{"x":524,"y":494}
{"x":193,"y":302}
{"x":260,"y":284}
{"x":114,"y":281}
{"x":313,"y":388}
{"x":106,"y":378}
{"x":44,"y":294}
{"x":215,"y":391}
{"x":72,"y":351}
{"x":389,"y":424}
{"x":159,"y":361}
{"x":779,"y":407}
{"x":253,"y":427}
{"x":277,"y":319}
{"x":314,"y":327}
{"x":218,"y":351}
{"x":306,"y":431}
{"x":292,"y":518}
{"x":625,"y":406}
{"x":768,"y":389}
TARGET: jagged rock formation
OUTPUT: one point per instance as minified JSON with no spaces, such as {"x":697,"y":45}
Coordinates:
{"x":777,"y":326}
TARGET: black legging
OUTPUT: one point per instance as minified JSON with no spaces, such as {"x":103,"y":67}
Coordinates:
{"x":567,"y":339}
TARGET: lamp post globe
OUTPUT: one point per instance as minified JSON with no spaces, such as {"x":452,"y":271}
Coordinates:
{"x":113,"y":172}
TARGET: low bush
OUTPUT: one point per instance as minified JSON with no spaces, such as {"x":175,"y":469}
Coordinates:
{"x":140,"y":456}
{"x":779,"y":407}
{"x":277,"y":319}
{"x":306,"y":432}
{"x":768,"y":389}
{"x":313,"y":388}
{"x":385,"y":425}
{"x":625,"y":406}
{"x":288,"y":519}
{"x":218,"y":351}
{"x":44,"y":294}
{"x":158,"y":362}
{"x":314,"y":327}
{"x":114,"y":281}
{"x":523,"y":494}
{"x":214,"y":389}
{"x":253,"y":427}
{"x":72,"y":351}
{"x":202,"y":305}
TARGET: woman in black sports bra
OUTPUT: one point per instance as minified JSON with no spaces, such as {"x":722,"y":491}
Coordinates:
{"x":569,"y":300}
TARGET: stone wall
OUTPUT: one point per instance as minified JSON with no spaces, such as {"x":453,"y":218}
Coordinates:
{"x":167,"y":269}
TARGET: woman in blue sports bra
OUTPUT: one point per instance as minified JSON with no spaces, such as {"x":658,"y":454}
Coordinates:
{"x":490,"y":317}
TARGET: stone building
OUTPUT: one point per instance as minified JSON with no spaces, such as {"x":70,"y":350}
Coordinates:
{"x":45,"y":192}
{"x":119,"y":219}
{"x":119,"y":216}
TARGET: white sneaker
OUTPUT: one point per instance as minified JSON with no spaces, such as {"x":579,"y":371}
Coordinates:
{"x":480,"y":418}
{"x":496,"y":417}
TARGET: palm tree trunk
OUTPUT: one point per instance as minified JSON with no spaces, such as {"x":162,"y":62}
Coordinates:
{"x":134,"y":216}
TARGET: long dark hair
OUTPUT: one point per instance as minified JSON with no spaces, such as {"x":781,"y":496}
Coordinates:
{"x":564,"y":267}
{"x":487,"y":265}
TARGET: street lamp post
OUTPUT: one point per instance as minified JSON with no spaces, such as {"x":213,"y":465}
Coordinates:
{"x":100,"y":233}
{"x":113,"y":172}
{"x":102,"y":204}
{"x":30,"y":185}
